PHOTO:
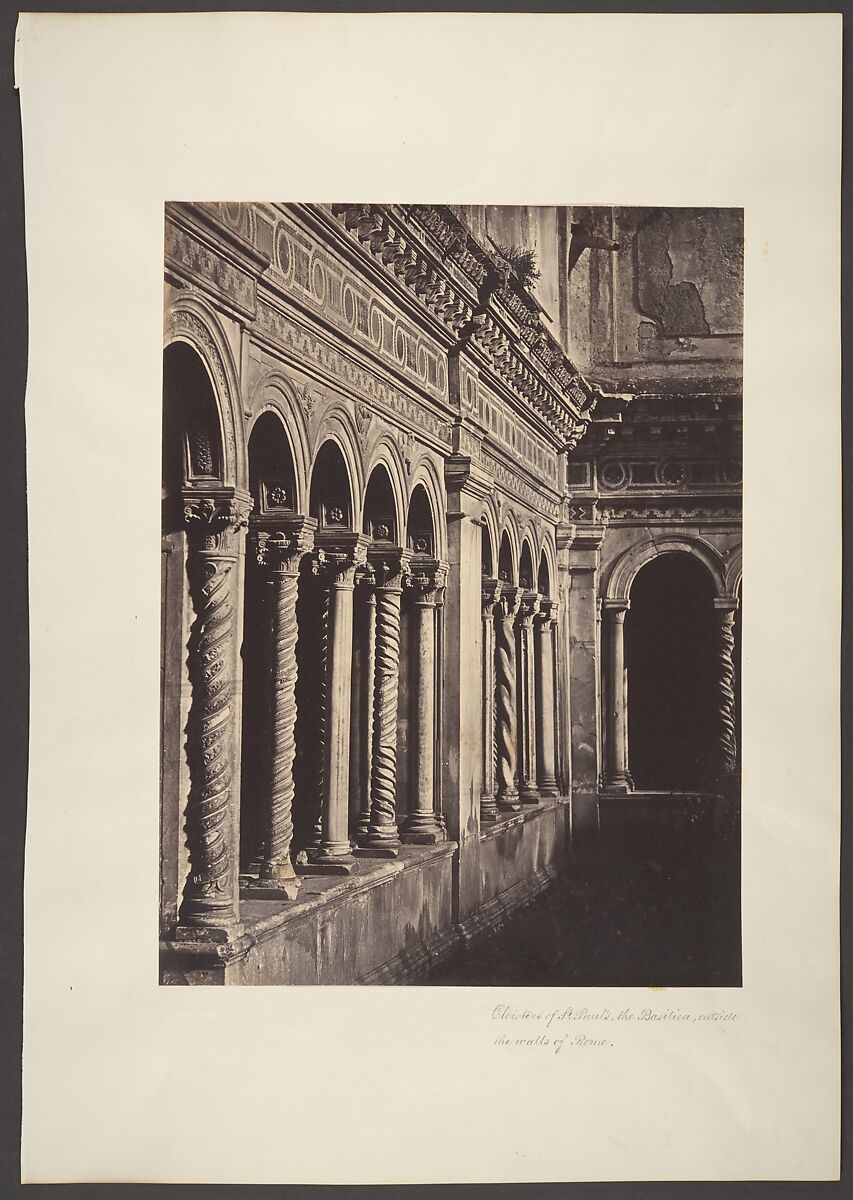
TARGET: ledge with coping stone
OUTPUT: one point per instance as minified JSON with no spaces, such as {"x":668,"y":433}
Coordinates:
{"x":335,"y":932}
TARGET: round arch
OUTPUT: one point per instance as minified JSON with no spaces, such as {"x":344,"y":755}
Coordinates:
{"x":192,"y":321}
{"x":385,"y":454}
{"x":275,"y":393}
{"x":380,"y":517}
{"x":509,"y":530}
{"x":527,"y":565}
{"x":625,"y":569}
{"x":337,"y":427}
{"x":426,"y":476}
{"x":330,"y":495}
{"x":734,"y":571}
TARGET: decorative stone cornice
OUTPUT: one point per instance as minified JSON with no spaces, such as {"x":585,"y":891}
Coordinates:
{"x":473,"y":293}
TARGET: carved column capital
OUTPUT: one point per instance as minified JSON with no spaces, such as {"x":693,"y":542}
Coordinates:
{"x":509,"y":603}
{"x":339,"y":555}
{"x":492,"y":589}
{"x":214,"y":515}
{"x":390,"y":566}
{"x":426,"y":580}
{"x":281,"y":542}
{"x":529,"y":609}
{"x":615,"y":609}
{"x":546,"y":617}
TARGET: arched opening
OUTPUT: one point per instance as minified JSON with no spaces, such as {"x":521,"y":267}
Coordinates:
{"x":506,"y":571}
{"x":670,"y":643}
{"x":525,"y":568}
{"x":331,"y":498}
{"x":191,"y":454}
{"x":272,"y":482}
{"x":272,"y":477}
{"x":543,"y":579}
{"x":420,"y":533}
{"x":380,"y":520}
{"x":331,"y":503}
{"x":192,"y":450}
{"x":487,"y":559}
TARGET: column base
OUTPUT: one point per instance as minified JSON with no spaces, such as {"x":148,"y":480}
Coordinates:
{"x":530,"y":795}
{"x":361,"y":828}
{"x":488,"y":810}
{"x":335,"y":858}
{"x":509,"y":802}
{"x":620,"y":784}
{"x":274,"y":881}
{"x":422,"y":829}
{"x":209,"y":933}
{"x":378,"y":852}
{"x":549,"y":788}
{"x":385,"y":838}
{"x":264,"y":889}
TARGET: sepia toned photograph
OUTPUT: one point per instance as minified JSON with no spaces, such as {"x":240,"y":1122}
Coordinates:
{"x":451,"y":595}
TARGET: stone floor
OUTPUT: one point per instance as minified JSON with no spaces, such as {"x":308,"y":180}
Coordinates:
{"x":656,"y":903}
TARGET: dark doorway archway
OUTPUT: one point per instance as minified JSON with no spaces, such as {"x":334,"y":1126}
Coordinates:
{"x":670,"y":641}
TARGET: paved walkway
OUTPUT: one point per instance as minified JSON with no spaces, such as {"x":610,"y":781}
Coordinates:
{"x":657,"y":905}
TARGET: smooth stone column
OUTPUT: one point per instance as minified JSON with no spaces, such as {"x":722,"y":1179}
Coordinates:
{"x":210,"y":907}
{"x":488,"y":805}
{"x":282,"y":541}
{"x":529,"y":791}
{"x":340,"y":556}
{"x":364,"y":660}
{"x":727,"y":740}
{"x":426,"y":581}
{"x":505,"y":699}
{"x":390,"y":566}
{"x":546,"y":746}
{"x":618,"y":778}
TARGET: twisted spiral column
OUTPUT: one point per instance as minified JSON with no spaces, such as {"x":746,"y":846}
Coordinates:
{"x":488,"y":807}
{"x":422,"y":825}
{"x":727,"y":738}
{"x":210,"y":901}
{"x":389,"y":568}
{"x":505,"y":698}
{"x":280,"y":551}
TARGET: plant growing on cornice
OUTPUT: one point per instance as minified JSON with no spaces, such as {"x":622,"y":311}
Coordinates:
{"x":522,"y":262}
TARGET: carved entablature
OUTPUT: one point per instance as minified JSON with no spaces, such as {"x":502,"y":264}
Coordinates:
{"x":363,"y":386}
{"x":584,"y":513}
{"x":669,"y":473}
{"x":305,"y":267}
{"x":458,"y":282}
{"x":705,"y":511}
{"x":514,"y":485}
